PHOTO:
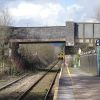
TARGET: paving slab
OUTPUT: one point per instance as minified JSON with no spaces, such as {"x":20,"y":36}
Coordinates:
{"x":86,"y":86}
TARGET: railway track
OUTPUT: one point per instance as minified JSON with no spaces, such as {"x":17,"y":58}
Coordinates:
{"x":18,"y":89}
{"x":37,"y":85}
{"x":13,"y":82}
{"x":47,"y":96}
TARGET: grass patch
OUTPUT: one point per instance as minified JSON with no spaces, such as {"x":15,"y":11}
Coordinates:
{"x":3,"y":80}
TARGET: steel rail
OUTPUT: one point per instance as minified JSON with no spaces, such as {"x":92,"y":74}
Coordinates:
{"x":33,"y":85}
{"x":51,"y":86}
{"x":13,"y":82}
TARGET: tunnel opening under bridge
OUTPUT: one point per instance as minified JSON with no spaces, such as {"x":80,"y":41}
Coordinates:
{"x":37,"y":49}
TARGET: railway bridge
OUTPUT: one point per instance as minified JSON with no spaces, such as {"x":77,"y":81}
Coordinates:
{"x":71,"y":34}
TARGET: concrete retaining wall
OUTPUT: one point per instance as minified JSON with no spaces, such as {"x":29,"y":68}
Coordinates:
{"x":88,"y":63}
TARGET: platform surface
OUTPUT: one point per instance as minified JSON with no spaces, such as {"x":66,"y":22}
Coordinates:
{"x":78,"y":85}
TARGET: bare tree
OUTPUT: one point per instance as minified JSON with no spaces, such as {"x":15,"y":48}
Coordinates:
{"x":5,"y":21}
{"x":46,"y":52}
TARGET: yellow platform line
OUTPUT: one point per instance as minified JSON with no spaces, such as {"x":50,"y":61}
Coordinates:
{"x":69,"y":74}
{"x":57,"y":88}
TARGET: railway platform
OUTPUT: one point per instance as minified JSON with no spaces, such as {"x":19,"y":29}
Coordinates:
{"x":74,"y":84}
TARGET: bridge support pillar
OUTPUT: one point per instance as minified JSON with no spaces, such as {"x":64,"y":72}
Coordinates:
{"x":13,"y":50}
{"x":15,"y":56}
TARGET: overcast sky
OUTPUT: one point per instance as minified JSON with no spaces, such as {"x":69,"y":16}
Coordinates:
{"x":50,"y":12}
